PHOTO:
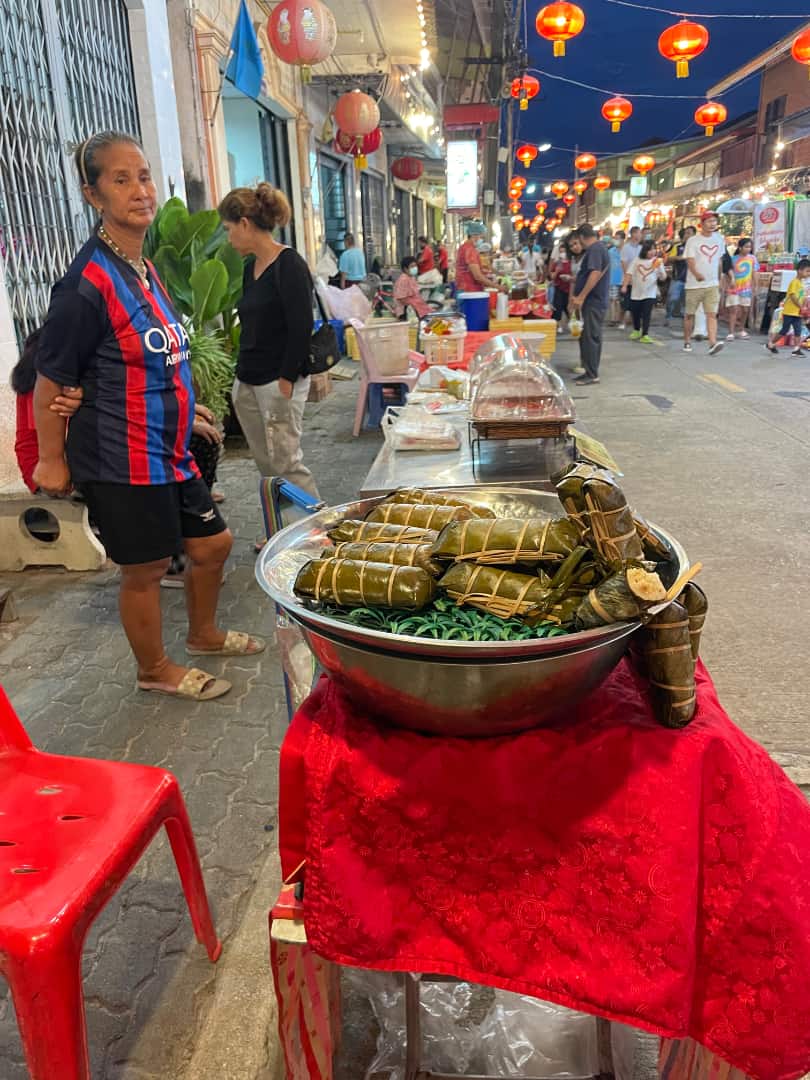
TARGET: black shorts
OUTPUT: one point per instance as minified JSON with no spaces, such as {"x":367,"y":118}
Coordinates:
{"x":142,"y":523}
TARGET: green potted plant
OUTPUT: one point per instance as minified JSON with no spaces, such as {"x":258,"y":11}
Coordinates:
{"x":203,"y":276}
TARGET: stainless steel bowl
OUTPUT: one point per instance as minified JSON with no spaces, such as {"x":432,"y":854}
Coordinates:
{"x":449,"y":687}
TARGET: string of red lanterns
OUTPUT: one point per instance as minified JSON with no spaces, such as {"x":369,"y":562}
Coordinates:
{"x":682,"y":43}
{"x":644,"y":163}
{"x":616,"y":110}
{"x":524,"y":89}
{"x":560,"y":22}
{"x":584,"y":162}
{"x":800,"y":50}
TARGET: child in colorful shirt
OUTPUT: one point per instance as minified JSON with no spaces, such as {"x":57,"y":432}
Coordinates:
{"x":798,"y":295}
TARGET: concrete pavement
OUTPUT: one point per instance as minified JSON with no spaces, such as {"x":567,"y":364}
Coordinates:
{"x":713,"y":448}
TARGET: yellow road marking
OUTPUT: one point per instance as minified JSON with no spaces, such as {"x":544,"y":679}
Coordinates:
{"x":725,"y":383}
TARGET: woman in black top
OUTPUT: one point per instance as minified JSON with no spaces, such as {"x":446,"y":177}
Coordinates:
{"x":275,"y":313}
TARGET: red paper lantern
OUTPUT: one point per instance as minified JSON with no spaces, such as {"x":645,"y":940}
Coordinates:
{"x":710,"y":115}
{"x":518,"y":182}
{"x":560,"y":212}
{"x":550,"y":226}
{"x":541,"y":206}
{"x":518,"y":222}
{"x":682,"y":43}
{"x":581,"y":186}
{"x":356,"y":113}
{"x":302,"y":32}
{"x":617,"y":110}
{"x":800,"y":50}
{"x":514,"y":207}
{"x":569,"y":199}
{"x":559,"y":187}
{"x":407,"y":168}
{"x":585,"y":162}
{"x":602,"y":183}
{"x":526,"y":153}
{"x":524,"y":89}
{"x":359,"y":146}
{"x":644,"y":163}
{"x":559,"y":23}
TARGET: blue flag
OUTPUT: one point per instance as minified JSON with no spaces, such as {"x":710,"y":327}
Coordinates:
{"x":245,"y":69}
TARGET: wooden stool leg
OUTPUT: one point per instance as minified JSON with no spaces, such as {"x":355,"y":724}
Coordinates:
{"x":604,"y":1043}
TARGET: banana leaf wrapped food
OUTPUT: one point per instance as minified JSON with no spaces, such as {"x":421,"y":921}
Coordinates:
{"x":386,"y":552}
{"x":437,"y":498}
{"x":500,"y":592}
{"x":505,"y":541}
{"x":654,"y":546}
{"x":627,"y":594}
{"x":352,"y":583}
{"x":696,"y":604}
{"x":420,"y":515}
{"x":350,"y":530}
{"x":662,"y":653}
{"x":612,"y":529}
{"x":572,"y":496}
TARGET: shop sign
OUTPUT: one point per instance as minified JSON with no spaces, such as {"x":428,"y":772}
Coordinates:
{"x":769,"y":227}
{"x":462,"y":174}
{"x":618,"y":197}
{"x":638,"y":186}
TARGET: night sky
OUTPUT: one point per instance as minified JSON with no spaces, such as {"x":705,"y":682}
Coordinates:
{"x":618,"y":51}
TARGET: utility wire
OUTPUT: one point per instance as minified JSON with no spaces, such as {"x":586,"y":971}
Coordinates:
{"x":704,"y":15}
{"x":657,"y":97}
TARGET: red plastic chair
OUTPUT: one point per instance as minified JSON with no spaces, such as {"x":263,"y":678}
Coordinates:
{"x":71,"y":829}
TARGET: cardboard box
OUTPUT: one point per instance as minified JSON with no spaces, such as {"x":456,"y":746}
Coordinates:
{"x":320,"y":386}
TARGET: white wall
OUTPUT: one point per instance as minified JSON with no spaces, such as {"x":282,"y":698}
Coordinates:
{"x":243,"y":141}
{"x":157,"y":102}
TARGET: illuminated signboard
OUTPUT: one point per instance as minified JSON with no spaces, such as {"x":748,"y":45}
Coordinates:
{"x":638,"y":185}
{"x":462,"y":174}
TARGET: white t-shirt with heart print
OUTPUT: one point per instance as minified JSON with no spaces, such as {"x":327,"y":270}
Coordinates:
{"x":707,"y":251}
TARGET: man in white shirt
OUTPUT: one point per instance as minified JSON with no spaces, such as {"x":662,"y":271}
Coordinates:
{"x":704,"y":260}
{"x":629,"y":251}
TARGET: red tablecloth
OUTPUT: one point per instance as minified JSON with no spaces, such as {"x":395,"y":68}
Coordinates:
{"x":657,"y":877}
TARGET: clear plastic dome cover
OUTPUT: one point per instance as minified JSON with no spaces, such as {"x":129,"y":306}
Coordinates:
{"x":515,"y":386}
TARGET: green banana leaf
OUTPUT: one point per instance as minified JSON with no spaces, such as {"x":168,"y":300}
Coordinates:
{"x":175,"y":272}
{"x":209,"y":284}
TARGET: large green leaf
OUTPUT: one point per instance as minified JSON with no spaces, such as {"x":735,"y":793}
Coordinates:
{"x":174,"y":272}
{"x":209,"y":284}
{"x":173,"y":218}
{"x":199,"y":227}
{"x":236,"y":268}
{"x":215,"y":241}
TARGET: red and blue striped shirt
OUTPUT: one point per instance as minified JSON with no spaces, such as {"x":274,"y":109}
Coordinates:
{"x":127,"y":348}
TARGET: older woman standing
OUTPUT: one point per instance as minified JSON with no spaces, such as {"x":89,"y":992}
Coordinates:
{"x":275,"y":313}
{"x":111,"y":329}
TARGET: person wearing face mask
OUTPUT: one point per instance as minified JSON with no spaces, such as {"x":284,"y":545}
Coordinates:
{"x":470,"y":276}
{"x":406,"y":290}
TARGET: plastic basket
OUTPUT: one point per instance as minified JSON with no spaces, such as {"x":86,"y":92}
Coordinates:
{"x":389,"y":343}
{"x":443,"y":348}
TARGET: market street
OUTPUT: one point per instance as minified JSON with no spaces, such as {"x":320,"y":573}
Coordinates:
{"x":715,"y":449}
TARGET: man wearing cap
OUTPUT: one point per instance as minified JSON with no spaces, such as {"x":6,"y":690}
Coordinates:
{"x":704,"y":260}
{"x":469,"y":275}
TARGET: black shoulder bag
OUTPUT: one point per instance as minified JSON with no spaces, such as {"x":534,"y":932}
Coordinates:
{"x":324,"y":351}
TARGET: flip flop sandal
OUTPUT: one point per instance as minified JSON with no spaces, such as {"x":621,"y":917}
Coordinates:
{"x":196,"y":685}
{"x":235,"y":644}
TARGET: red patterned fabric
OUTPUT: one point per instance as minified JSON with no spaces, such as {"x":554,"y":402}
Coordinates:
{"x":657,"y":877}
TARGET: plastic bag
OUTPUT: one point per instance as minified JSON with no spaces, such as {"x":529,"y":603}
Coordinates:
{"x":416,"y":429}
{"x":575,"y":327}
{"x":326,"y":266}
{"x":447,"y":1046}
{"x":522,"y":1036}
{"x":348,"y":303}
{"x":445,"y":379}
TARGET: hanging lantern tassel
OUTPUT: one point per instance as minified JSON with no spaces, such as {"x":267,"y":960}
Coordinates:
{"x":361,"y":162}
{"x":306,"y":74}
